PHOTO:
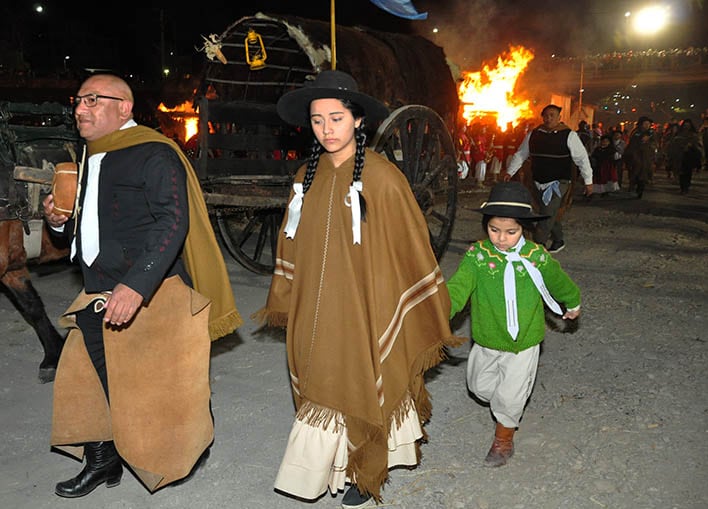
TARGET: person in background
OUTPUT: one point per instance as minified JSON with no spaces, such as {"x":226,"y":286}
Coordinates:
{"x":363,"y":300}
{"x":481,"y":152}
{"x":507,"y":279}
{"x":643,"y":161}
{"x":690,"y":162}
{"x":497,"y":151}
{"x":133,"y":379}
{"x":703,"y":140}
{"x":644,"y":125}
{"x":553,"y":148}
{"x":686,"y":136}
{"x":620,"y":146}
{"x":669,"y":151}
{"x":586,"y":136}
{"x":603,"y":165}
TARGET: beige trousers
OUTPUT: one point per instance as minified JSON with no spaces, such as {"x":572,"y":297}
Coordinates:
{"x":503,"y":379}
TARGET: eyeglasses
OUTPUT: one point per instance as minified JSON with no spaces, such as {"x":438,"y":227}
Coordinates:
{"x":91,"y":100}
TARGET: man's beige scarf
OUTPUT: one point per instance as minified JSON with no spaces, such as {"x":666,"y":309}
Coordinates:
{"x":202,"y":255}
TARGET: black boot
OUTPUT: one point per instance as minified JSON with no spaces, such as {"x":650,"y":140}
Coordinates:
{"x":102,"y":465}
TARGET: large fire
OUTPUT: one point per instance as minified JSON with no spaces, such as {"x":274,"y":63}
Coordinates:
{"x":490,"y":92}
{"x":184,"y":115}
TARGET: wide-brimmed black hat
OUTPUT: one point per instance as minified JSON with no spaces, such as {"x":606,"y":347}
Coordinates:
{"x":510,"y":199}
{"x":294,"y":106}
{"x":643,"y":119}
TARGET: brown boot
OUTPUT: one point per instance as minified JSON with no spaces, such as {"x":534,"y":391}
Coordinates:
{"x":502,"y":448}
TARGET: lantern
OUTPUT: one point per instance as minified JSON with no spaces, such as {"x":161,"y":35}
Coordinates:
{"x":255,"y":50}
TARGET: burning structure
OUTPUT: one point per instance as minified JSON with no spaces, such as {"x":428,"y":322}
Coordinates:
{"x":491,"y":94}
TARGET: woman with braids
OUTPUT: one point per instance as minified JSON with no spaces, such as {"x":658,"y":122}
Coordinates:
{"x":358,"y":288}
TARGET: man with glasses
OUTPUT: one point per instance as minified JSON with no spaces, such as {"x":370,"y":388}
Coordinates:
{"x":133,"y":380}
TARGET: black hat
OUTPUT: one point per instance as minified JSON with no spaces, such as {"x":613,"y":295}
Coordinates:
{"x":510,"y":199}
{"x":643,"y":119}
{"x":294,"y":106}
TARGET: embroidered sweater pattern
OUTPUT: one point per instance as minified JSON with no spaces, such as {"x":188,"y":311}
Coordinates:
{"x":479,"y":279}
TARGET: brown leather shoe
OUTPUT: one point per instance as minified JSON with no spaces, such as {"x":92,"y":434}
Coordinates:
{"x":502,"y":448}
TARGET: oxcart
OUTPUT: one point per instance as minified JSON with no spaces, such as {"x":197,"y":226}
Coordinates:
{"x":246,"y":156}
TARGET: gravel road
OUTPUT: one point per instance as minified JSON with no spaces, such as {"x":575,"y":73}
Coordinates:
{"x":618,"y":417}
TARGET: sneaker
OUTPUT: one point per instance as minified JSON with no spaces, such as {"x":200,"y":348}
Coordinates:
{"x":556,"y":246}
{"x":354,"y":500}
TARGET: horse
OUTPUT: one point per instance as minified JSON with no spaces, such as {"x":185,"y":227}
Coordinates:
{"x":15,"y":277}
{"x":33,"y":138}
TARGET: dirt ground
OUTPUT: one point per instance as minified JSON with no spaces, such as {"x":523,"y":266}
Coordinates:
{"x":618,"y":417}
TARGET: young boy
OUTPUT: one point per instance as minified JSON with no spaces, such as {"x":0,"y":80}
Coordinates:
{"x":507,"y":279}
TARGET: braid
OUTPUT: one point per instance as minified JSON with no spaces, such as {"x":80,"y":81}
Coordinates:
{"x":312,"y":165}
{"x":360,"y":150}
{"x":359,"y":163}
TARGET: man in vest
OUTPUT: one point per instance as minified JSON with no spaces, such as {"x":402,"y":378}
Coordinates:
{"x":553,"y":148}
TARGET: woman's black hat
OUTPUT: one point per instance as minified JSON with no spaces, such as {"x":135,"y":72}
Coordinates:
{"x":294,"y":106}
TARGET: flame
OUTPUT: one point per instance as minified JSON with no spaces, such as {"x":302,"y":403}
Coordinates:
{"x":184,"y":114}
{"x":490,"y":92}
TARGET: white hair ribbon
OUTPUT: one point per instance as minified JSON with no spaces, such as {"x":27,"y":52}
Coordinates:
{"x":294,"y":211}
{"x":512,"y":320}
{"x":354,"y":191}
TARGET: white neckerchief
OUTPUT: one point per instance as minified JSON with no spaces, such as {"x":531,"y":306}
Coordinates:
{"x":294,"y":208}
{"x":512,"y":319}
{"x":355,"y":205}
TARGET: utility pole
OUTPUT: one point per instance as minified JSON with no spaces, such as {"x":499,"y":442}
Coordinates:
{"x":580,"y":92}
{"x":162,"y":42}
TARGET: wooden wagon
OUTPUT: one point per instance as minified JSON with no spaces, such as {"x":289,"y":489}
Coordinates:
{"x":246,"y":156}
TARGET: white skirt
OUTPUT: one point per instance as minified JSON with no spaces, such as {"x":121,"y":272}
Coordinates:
{"x":316,"y":458}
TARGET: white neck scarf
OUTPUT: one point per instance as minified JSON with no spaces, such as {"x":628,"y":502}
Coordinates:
{"x":512,"y":319}
{"x":294,"y":209}
{"x":355,"y":205}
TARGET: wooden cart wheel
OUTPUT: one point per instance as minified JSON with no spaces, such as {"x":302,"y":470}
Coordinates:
{"x":251,"y":236}
{"x":415,"y":138}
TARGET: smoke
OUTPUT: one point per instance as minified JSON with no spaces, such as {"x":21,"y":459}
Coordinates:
{"x":475,"y":33}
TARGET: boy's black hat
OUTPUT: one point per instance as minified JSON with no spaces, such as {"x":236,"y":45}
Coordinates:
{"x":510,"y":199}
{"x":294,"y":106}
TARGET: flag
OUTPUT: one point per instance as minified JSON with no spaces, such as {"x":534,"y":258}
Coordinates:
{"x":400,"y":8}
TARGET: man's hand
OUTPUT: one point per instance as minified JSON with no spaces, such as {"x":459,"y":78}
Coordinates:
{"x":55,"y":220}
{"x":588,"y":190}
{"x":506,"y":177}
{"x":122,"y":305}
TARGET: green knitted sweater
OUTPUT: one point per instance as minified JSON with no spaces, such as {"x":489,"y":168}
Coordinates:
{"x":480,"y":279}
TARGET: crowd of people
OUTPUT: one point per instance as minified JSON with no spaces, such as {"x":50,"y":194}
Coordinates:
{"x":623,"y":157}
{"x":676,"y":147}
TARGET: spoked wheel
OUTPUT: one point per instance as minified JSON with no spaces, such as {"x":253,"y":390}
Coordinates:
{"x":251,"y":236}
{"x":415,"y":138}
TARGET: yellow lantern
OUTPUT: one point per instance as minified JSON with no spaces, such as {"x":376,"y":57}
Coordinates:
{"x":255,"y":50}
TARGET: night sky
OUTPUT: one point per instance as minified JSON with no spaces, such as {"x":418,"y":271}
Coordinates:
{"x":137,"y":42}
{"x":470,"y":31}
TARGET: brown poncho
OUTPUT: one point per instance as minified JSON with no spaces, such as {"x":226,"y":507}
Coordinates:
{"x":364,"y":322}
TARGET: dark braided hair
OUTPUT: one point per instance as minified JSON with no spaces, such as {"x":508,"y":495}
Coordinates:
{"x":317,"y":149}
